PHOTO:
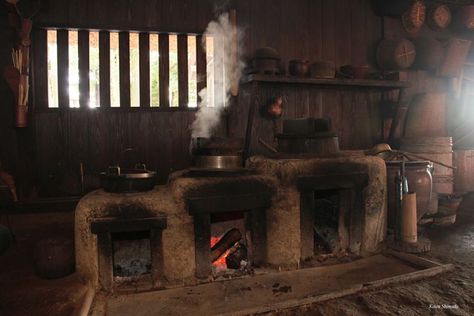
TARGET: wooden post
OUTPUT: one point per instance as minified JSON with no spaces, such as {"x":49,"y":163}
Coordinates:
{"x":164,"y":70}
{"x":183,"y":70}
{"x":202,"y":240}
{"x":104,"y":247}
{"x":124,"y":60}
{"x":402,"y":107}
{"x":40,"y":69}
{"x":234,"y":85}
{"x":258,"y":232}
{"x":307,"y":215}
{"x":104,"y":71}
{"x":83,"y":37}
{"x":201,"y":65}
{"x":156,"y":248}
{"x":63,"y":69}
{"x":144,"y":51}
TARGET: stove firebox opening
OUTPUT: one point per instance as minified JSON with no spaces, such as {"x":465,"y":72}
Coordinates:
{"x":229,"y":243}
{"x":131,"y":254}
{"x":326,"y":222}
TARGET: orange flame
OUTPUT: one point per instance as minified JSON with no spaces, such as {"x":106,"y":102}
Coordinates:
{"x":219,"y":264}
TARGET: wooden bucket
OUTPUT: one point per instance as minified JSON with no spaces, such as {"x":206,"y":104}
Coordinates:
{"x":464,"y":173}
{"x":455,"y":55}
{"x":395,"y":54}
{"x":436,"y":148}
{"x":408,"y":229}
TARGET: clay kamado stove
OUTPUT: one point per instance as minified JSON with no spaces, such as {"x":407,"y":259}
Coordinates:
{"x":217,"y":221}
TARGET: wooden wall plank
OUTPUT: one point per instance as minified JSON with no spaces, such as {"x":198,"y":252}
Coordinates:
{"x":183,"y":70}
{"x":63,"y":68}
{"x":104,"y":71}
{"x":144,"y":51}
{"x":358,"y":32}
{"x":164,"y":70}
{"x":84,"y":93}
{"x":124,"y":61}
{"x":342,"y":34}
{"x":40,"y":70}
{"x":201,"y":68}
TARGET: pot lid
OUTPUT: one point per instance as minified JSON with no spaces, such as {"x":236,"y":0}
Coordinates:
{"x":266,"y":53}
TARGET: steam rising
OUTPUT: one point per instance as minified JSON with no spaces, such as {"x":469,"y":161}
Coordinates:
{"x":226,"y":71}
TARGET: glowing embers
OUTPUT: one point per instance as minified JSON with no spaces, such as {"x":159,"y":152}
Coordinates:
{"x":229,"y":244}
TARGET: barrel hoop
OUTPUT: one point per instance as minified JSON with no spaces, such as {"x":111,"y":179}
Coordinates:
{"x":443,"y":179}
{"x":429,"y":152}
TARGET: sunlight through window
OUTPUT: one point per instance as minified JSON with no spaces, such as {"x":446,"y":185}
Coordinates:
{"x":52,"y":52}
{"x":114,"y":70}
{"x":154,"y":71}
{"x":94,"y":70}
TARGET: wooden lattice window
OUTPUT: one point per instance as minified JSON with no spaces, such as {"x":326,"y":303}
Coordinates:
{"x":109,"y":69}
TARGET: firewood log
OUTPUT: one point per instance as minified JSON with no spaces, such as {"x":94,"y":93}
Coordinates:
{"x":228,"y":240}
{"x":236,"y":256}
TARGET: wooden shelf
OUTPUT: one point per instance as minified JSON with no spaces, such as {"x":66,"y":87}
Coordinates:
{"x":358,"y":83}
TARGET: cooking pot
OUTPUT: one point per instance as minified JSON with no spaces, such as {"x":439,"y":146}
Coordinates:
{"x":118,"y":180}
{"x":298,"y":67}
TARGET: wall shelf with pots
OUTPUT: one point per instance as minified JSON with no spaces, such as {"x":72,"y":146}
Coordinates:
{"x":358,"y":83}
{"x":386,"y":85}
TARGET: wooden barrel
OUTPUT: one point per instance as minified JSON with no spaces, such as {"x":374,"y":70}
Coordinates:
{"x":464,"y":173}
{"x":395,"y":54}
{"x":429,"y":53}
{"x":418,"y":174}
{"x":436,"y":148}
{"x":455,"y":55}
{"x":426,"y":116}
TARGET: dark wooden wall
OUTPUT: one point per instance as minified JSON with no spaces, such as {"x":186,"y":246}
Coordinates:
{"x":343,"y":31}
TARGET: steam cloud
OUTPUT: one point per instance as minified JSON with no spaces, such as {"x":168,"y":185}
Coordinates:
{"x":207,"y":117}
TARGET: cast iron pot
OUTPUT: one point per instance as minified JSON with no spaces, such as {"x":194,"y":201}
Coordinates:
{"x":119,"y":180}
{"x":298,"y":67}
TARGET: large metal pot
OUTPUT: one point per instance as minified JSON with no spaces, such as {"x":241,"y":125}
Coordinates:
{"x":298,"y":67}
{"x":217,"y":152}
{"x":219,"y":161}
{"x":119,"y":180}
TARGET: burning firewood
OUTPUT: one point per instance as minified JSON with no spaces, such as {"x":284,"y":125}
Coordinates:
{"x":228,"y":240}
{"x":237,"y":254}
